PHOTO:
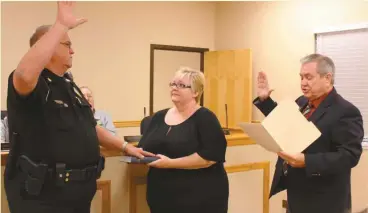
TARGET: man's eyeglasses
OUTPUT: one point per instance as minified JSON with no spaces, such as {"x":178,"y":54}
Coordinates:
{"x":67,"y":44}
{"x":179,"y":85}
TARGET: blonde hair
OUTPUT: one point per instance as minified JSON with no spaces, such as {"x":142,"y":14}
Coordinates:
{"x":196,"y":79}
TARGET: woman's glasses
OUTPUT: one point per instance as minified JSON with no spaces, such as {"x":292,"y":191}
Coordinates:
{"x":179,"y":85}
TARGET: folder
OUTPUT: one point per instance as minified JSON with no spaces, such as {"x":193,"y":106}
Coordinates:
{"x":284,"y":129}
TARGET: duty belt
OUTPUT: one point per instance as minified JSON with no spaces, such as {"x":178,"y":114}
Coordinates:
{"x":37,"y":173}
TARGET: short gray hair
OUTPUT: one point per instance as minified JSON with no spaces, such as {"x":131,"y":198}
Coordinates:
{"x":325,"y":64}
{"x":39,"y":32}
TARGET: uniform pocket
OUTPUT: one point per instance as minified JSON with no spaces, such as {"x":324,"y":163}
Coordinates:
{"x":59,"y":116}
{"x":86,"y":110}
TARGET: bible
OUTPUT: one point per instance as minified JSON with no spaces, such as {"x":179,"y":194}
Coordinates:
{"x":135,"y":160}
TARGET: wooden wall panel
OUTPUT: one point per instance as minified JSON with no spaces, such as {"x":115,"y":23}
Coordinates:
{"x":229,"y":81}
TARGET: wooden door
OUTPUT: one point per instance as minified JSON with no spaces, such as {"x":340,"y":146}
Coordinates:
{"x":228,"y":77}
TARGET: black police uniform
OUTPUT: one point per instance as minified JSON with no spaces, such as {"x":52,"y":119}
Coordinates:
{"x":54,"y":159}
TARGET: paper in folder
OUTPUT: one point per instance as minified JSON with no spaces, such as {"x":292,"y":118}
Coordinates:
{"x":284,"y":129}
{"x":135,"y":160}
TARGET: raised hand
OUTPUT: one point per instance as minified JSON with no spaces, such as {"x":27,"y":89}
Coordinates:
{"x":66,"y":17}
{"x":263,"y":89}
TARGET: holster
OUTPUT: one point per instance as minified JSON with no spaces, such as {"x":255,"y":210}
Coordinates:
{"x":100,"y":166}
{"x":11,"y":161}
{"x":35,"y":174}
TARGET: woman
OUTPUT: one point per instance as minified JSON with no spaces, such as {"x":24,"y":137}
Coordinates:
{"x":102,"y":118}
{"x":189,"y":176}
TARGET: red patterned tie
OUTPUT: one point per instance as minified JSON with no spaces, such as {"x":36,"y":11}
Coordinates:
{"x":308,"y":111}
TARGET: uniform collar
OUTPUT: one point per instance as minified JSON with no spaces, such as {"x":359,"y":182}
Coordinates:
{"x":51,"y":77}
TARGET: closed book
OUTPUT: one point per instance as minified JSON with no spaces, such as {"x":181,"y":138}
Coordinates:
{"x":131,"y":159}
{"x":133,"y":138}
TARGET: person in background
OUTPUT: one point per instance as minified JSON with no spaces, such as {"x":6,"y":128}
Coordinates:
{"x":318,"y":180}
{"x":4,"y":130}
{"x":188,"y":138}
{"x":102,"y":118}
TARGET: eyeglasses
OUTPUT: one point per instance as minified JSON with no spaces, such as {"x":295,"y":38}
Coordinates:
{"x":179,"y":85}
{"x":67,"y":44}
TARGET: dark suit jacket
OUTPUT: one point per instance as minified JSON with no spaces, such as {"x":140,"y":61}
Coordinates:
{"x":323,"y":186}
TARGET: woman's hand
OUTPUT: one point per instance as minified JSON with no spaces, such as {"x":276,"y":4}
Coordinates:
{"x":162,"y":163}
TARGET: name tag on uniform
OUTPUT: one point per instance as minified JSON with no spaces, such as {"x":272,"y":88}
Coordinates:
{"x":61,"y":103}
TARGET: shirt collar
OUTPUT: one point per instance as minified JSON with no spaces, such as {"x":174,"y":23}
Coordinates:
{"x":50,"y":76}
{"x":316,"y":102}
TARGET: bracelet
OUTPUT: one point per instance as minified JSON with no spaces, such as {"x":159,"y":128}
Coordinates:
{"x":125,"y":144}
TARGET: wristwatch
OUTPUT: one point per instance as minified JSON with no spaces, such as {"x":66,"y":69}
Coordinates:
{"x":124,"y":145}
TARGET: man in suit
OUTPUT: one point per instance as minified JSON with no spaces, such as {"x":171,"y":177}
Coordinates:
{"x":318,"y":179}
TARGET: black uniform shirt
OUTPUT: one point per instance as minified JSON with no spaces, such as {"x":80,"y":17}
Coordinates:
{"x":54,"y":123}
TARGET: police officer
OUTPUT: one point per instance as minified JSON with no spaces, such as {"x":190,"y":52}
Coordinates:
{"x":54,"y":159}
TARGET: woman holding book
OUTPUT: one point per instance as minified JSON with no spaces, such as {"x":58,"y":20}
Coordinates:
{"x":188,"y":138}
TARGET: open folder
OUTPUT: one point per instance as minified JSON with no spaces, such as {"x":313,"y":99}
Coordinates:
{"x":284,"y":129}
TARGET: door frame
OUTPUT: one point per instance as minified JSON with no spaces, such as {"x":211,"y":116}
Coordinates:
{"x":154,"y":47}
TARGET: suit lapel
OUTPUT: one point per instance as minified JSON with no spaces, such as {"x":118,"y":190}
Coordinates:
{"x":323,"y":107}
{"x":318,"y":114}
